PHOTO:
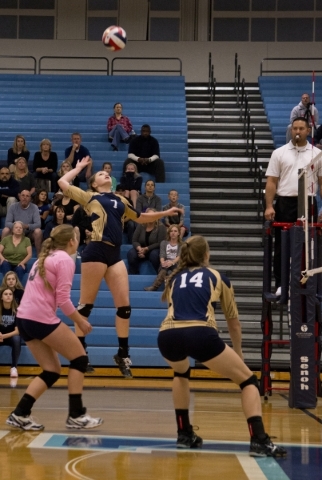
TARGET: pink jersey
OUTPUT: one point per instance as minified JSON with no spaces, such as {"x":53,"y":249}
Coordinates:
{"x":38,"y":302}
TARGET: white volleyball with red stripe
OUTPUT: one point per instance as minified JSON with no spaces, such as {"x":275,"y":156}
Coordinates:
{"x":114,"y":38}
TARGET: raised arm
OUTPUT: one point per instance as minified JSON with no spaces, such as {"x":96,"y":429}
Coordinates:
{"x":152,"y":216}
{"x":64,"y":181}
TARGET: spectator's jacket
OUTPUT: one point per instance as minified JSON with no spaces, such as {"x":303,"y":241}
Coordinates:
{"x":9,"y":189}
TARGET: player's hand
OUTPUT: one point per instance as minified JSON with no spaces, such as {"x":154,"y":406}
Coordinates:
{"x":83,"y":163}
{"x":270,"y":213}
{"x":84,"y":325}
{"x":173,"y":211}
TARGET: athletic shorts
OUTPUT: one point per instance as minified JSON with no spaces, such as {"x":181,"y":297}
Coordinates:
{"x":200,"y":343}
{"x":101,"y":252}
{"x":32,"y":330}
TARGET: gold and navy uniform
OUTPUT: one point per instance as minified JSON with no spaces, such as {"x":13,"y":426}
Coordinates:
{"x":193,"y":297}
{"x":107,"y":212}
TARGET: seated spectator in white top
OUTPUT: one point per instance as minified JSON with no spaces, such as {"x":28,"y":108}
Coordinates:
{"x":9,"y":189}
{"x":145,"y":151}
{"x":27,"y":213}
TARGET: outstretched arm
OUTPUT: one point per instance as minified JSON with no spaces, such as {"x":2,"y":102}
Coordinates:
{"x":152,"y":216}
{"x":63,"y":182}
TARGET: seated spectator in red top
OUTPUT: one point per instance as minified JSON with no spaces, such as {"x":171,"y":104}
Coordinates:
{"x":18,"y":149}
{"x":119,"y":127}
{"x":45,"y":166}
{"x":144,"y":150}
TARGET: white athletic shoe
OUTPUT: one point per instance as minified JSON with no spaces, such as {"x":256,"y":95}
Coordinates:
{"x":13,"y":372}
{"x":278,"y":292}
{"x":84,"y":421}
{"x":26,"y":422}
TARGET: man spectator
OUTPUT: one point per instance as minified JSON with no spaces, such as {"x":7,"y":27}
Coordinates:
{"x":76,"y":152}
{"x":27,"y":213}
{"x":119,"y":127}
{"x":303,"y":109}
{"x":145,"y":151}
{"x":282,"y":178}
{"x":9,"y":189}
{"x":178,"y":219}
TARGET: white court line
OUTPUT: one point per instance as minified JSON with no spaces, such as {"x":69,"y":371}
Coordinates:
{"x":3,"y":433}
{"x":251,"y":468}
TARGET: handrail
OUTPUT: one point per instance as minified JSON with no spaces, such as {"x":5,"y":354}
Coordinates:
{"x":245,"y":111}
{"x":150,"y":70}
{"x":283,"y":59}
{"x":240,"y":103}
{"x":259,"y":197}
{"x":70,"y":68}
{"x":213,"y":94}
{"x":34,"y":68}
{"x":235,"y":72}
{"x":209,"y":70}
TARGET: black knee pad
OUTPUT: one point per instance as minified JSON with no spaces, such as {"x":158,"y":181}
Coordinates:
{"x":124,"y":312}
{"x":250,"y":381}
{"x":79,"y":363}
{"x":49,"y":377}
{"x":85,"y":309}
{"x":183,"y":375}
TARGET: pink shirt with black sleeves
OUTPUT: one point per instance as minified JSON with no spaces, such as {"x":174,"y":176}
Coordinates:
{"x":38,"y":302}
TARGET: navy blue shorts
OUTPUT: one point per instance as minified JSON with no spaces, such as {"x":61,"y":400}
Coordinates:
{"x":101,"y":252}
{"x":199,"y":343}
{"x":32,"y":330}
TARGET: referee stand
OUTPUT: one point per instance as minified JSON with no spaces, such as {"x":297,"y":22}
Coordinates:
{"x":303,"y":301}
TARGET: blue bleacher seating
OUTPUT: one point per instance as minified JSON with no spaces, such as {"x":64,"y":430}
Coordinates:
{"x":54,"y":106}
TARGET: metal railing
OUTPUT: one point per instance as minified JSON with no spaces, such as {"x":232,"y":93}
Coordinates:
{"x":151,"y":69}
{"x":284,"y":70}
{"x":20,"y":68}
{"x":70,"y":67}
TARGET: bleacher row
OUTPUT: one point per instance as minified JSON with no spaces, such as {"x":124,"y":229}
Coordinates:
{"x":54,"y":106}
{"x":280,"y":95}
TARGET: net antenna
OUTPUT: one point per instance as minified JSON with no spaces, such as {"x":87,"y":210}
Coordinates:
{"x":307,"y":188}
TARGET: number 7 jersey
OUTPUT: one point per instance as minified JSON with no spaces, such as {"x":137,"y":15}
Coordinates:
{"x":193,"y":297}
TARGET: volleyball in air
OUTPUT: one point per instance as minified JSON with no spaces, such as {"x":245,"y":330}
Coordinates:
{"x":114,"y":38}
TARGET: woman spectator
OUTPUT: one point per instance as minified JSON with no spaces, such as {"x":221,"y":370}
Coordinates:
{"x":15,"y":251}
{"x":64,"y":168}
{"x":42,"y":202}
{"x":131,"y":183}
{"x":45,"y":167}
{"x":59,"y":217}
{"x":146,"y":245}
{"x":11,"y":280}
{"x":119,"y":127}
{"x":169,"y":256}
{"x":18,"y":149}
{"x":107,"y":167}
{"x":149,"y":199}
{"x":9,"y":334}
{"x":23,"y":176}
{"x":70,"y":206}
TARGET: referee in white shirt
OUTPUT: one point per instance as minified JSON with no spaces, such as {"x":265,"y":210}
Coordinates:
{"x":282,"y":179}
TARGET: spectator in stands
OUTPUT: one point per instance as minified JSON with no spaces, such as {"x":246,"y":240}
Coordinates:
{"x":70,"y":206}
{"x":107,"y":167}
{"x":146,"y":244}
{"x":42,"y":201}
{"x":9,"y":189}
{"x":169,"y":256}
{"x":145,"y":151}
{"x":64,"y":168}
{"x":11,"y":280}
{"x":76,"y":152}
{"x":15,"y":251}
{"x":18,"y":149}
{"x":27,"y":213}
{"x":59,"y":217}
{"x":131,"y":183}
{"x":9,"y":334}
{"x":45,"y":167}
{"x":303,"y":109}
{"x":149,"y":199}
{"x":173,"y":197}
{"x":119,"y":127}
{"x":82,"y":224}
{"x":23,"y":176}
